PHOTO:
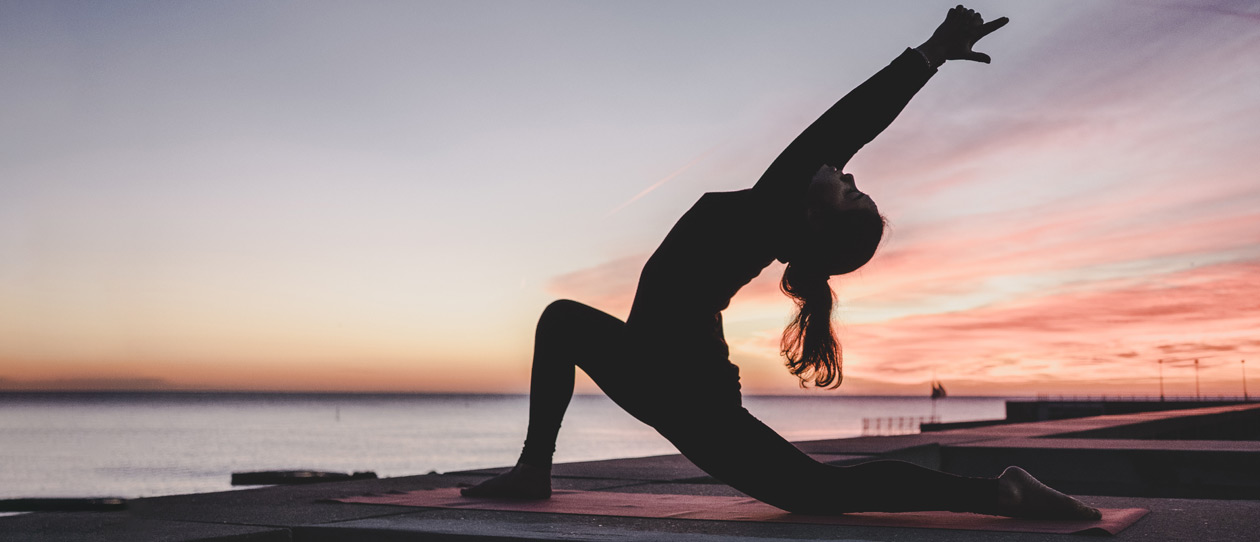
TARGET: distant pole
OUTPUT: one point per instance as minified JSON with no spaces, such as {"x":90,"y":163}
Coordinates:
{"x":1161,"y":380}
{"x":1196,"y":380}
{"x":1243,"y":362}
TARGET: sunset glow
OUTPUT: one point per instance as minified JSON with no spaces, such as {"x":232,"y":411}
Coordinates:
{"x":252,"y":196}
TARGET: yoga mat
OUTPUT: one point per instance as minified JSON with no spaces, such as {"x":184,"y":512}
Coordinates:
{"x":650,"y":505}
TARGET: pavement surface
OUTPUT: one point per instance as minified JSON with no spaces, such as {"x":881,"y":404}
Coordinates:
{"x":1194,"y":489}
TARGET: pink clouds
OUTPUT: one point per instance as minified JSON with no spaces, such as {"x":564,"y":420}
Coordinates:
{"x":608,"y":286}
{"x":1117,"y":334}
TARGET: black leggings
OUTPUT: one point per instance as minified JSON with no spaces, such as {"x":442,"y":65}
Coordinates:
{"x":725,"y":441}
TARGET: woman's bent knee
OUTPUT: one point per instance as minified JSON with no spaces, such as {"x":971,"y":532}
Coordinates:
{"x":560,"y":311}
{"x":564,"y":306}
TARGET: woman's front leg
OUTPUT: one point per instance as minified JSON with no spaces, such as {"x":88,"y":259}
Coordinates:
{"x":568,"y":334}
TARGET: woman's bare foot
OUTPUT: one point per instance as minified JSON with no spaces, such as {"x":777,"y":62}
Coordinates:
{"x":1022,"y":496}
{"x":522,"y":482}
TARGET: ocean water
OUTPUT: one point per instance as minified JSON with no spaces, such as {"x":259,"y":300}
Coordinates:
{"x":148,"y":444}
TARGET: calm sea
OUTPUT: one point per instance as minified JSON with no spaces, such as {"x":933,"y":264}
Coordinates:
{"x":147,"y":444}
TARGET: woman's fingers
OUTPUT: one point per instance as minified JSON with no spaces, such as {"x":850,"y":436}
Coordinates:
{"x":981,"y":31}
{"x":976,"y":56}
{"x":989,"y":27}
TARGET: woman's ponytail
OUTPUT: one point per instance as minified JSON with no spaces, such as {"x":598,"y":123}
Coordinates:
{"x":809,"y":342}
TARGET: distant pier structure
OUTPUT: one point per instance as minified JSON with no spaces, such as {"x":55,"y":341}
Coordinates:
{"x":1061,"y":407}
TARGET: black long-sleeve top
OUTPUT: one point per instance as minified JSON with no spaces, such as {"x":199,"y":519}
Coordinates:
{"x":727,"y":238}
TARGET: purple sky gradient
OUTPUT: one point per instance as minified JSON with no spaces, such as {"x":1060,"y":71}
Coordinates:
{"x":385,"y":196}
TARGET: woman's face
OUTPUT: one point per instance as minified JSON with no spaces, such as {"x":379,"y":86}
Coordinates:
{"x":843,"y":226}
{"x":832,"y":191}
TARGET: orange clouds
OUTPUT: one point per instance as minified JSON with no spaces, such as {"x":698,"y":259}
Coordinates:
{"x":1111,"y":334}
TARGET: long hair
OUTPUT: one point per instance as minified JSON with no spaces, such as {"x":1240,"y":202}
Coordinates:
{"x":809,"y":342}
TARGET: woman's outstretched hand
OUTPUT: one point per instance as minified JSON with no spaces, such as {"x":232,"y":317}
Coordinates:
{"x":956,"y":36}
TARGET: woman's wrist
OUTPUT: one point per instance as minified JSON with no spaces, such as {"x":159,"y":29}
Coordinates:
{"x":933,"y":55}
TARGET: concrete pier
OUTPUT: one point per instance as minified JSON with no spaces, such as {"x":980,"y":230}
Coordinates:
{"x":1060,"y":408}
{"x":1197,"y":489}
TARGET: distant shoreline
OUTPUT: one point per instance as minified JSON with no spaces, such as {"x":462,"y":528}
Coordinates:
{"x":393,"y":394}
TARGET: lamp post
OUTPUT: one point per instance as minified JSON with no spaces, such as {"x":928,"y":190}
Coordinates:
{"x":1243,"y":362}
{"x":1161,"y":380}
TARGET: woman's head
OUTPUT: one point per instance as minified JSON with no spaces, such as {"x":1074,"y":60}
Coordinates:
{"x":843,"y":229}
{"x":843,"y":225}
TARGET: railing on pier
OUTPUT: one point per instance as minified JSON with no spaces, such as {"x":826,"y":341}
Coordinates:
{"x":895,"y":425}
{"x":1132,"y":398}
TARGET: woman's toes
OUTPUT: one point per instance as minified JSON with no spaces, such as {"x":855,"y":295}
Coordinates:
{"x":1021,"y":495}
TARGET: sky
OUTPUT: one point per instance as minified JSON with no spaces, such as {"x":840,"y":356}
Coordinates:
{"x":383,"y":196}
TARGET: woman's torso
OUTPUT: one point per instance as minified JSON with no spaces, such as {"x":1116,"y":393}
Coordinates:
{"x":718,"y":246}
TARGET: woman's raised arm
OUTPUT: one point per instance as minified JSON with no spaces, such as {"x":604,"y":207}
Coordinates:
{"x":867,"y":110}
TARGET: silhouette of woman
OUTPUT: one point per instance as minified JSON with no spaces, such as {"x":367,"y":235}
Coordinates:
{"x":667,"y":363}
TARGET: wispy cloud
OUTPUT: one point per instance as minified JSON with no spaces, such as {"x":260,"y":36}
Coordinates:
{"x":1242,"y":9}
{"x":665,"y":179}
